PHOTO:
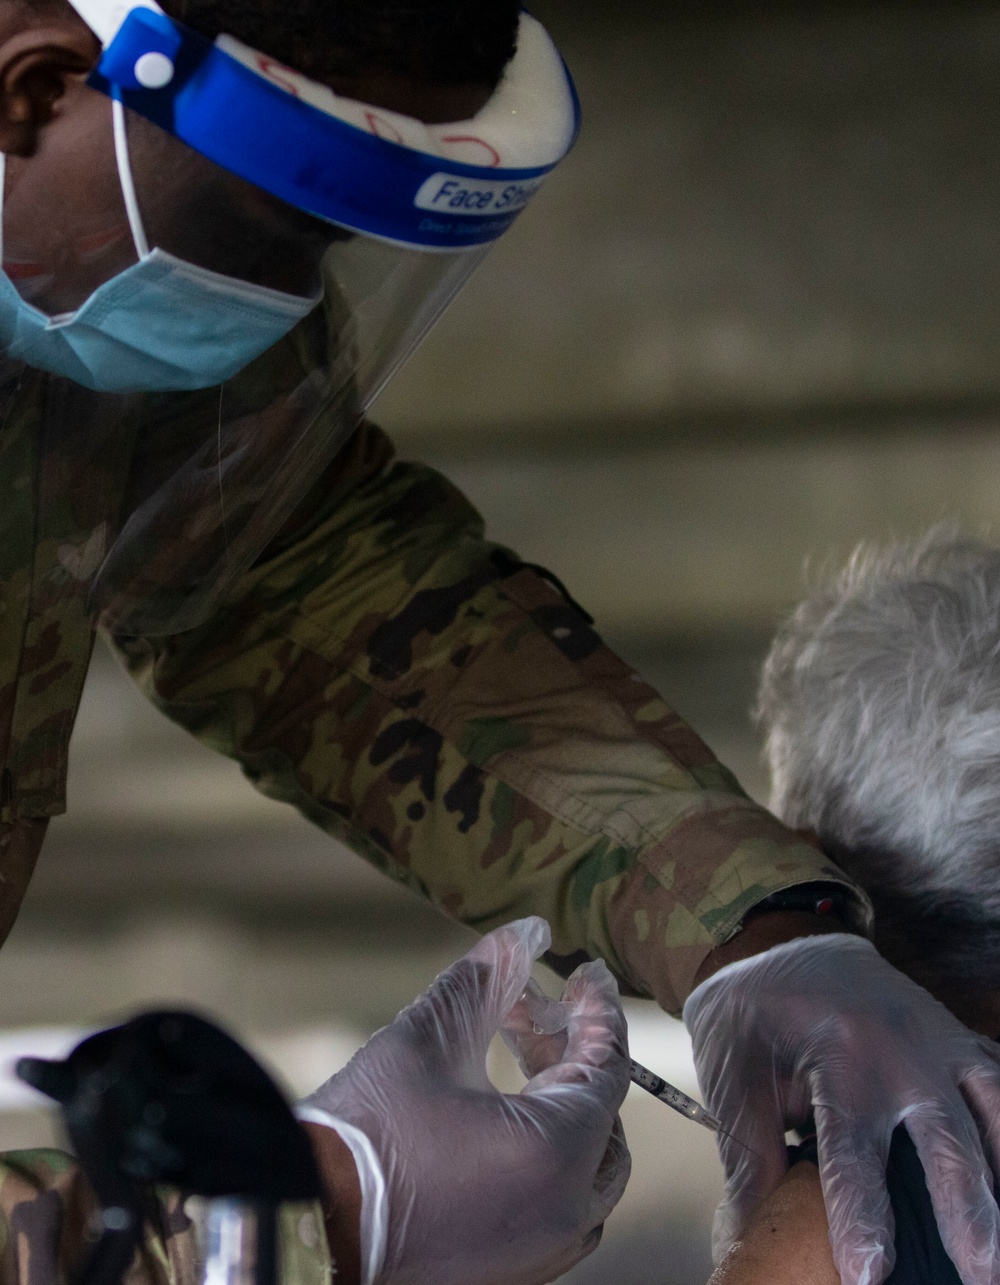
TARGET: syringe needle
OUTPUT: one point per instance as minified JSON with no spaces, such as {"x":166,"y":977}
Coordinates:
{"x":680,"y":1102}
{"x":548,"y":1016}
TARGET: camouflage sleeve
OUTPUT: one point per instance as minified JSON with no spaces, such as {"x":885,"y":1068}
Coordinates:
{"x":47,"y":1224}
{"x":441,"y":708}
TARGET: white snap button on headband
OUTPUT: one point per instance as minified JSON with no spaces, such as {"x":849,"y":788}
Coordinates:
{"x":154,"y":70}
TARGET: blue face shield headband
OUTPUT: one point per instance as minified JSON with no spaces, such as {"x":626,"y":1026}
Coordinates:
{"x":372,"y":171}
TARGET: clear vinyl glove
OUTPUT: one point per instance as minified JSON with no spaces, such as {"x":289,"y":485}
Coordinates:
{"x":465,"y":1185}
{"x":824,"y":1025}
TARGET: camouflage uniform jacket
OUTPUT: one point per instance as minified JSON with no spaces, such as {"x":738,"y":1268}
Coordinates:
{"x":411,"y":688}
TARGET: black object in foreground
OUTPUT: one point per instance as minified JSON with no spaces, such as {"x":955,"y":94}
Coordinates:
{"x":170,"y":1098}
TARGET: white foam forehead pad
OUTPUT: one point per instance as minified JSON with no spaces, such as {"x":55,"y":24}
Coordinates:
{"x":104,"y":17}
{"x":529,"y":122}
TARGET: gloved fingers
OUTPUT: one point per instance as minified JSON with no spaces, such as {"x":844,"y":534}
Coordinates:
{"x":596,"y":1052}
{"x":990,"y":1052}
{"x":534,"y":1052}
{"x":515,"y":947}
{"x":557,"y":1267}
{"x":981,"y":1091}
{"x":452,"y":1023}
{"x":535,"y":1030}
{"x":590,"y":1241}
{"x":755,"y":1160}
{"x":852,"y":1163}
{"x":612,"y":1176}
{"x":548,"y":1016}
{"x":961,"y":1189}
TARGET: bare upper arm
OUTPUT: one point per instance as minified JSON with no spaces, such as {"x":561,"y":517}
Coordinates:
{"x":786,"y":1242}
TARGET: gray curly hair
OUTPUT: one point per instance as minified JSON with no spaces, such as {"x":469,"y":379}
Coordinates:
{"x":880,"y":700}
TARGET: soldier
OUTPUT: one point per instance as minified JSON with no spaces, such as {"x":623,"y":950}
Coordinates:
{"x":213,"y":258}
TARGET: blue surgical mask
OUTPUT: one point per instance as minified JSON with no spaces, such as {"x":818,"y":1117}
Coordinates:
{"x":161,"y":325}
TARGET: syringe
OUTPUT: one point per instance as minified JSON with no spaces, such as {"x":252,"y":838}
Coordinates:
{"x":673,"y":1097}
{"x":549,"y":1016}
{"x":678,"y":1101}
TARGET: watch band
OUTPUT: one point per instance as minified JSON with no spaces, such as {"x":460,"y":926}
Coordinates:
{"x":819,"y":897}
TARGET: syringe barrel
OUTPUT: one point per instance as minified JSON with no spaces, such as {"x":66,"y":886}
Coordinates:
{"x":672,"y":1096}
{"x":645,"y":1079}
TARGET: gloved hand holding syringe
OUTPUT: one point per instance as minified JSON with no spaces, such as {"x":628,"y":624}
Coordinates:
{"x":549,"y":1017}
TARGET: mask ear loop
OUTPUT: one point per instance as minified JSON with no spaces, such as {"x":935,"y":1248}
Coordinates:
{"x":125,"y":175}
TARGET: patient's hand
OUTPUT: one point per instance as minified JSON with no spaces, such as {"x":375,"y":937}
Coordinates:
{"x":786,"y":1241}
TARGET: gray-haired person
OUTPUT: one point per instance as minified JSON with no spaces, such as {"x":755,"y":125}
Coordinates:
{"x":880,"y":700}
{"x":881,"y":703}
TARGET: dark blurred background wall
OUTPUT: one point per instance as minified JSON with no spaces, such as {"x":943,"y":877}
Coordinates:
{"x":753,"y":320}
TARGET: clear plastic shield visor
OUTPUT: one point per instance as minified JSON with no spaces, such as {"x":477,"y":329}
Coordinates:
{"x":141,"y":266}
{"x":216,"y":473}
{"x":211,"y":445}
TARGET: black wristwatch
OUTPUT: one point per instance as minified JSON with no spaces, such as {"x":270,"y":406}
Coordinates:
{"x":816,"y":898}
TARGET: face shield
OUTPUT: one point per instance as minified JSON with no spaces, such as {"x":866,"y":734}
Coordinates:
{"x":270,"y":255}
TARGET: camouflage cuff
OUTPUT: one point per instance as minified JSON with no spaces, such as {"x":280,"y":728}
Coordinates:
{"x":670,"y":912}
